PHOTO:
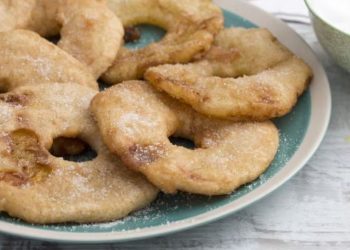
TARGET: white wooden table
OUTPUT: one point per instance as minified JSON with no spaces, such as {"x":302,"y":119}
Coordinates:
{"x":311,"y":211}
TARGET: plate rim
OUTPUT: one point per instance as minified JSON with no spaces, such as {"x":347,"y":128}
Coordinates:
{"x":317,"y":128}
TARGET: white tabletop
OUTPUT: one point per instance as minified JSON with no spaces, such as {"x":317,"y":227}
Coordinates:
{"x":311,"y":211}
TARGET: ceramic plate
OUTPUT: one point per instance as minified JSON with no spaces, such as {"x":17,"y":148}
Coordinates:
{"x":301,"y":133}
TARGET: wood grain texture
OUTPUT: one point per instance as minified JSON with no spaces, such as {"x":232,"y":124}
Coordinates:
{"x":311,"y":211}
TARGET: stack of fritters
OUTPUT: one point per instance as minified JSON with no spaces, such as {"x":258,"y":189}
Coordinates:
{"x":217,"y":87}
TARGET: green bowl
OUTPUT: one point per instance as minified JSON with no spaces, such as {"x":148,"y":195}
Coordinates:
{"x":335,"y":41}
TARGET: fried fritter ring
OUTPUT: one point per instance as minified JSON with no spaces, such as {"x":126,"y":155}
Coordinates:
{"x":190,"y":25}
{"x":135,"y":122}
{"x":28,"y":59}
{"x":89,"y":30}
{"x":270,"y":78}
{"x":15,"y":14}
{"x":40,"y":188}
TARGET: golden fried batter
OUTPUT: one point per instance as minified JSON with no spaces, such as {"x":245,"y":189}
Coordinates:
{"x":89,"y":31}
{"x":135,"y":122}
{"x":247,"y":75}
{"x":40,"y":188}
{"x":15,"y":14}
{"x":190,"y":25}
{"x":28,"y":59}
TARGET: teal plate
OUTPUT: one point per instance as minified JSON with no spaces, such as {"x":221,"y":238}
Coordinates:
{"x":170,"y":213}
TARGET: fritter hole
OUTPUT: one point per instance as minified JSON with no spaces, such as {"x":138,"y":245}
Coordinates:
{"x":72,"y":149}
{"x":54,"y":39}
{"x":182,"y":142}
{"x":102,"y":84}
{"x":4,"y":86}
{"x":140,"y":36}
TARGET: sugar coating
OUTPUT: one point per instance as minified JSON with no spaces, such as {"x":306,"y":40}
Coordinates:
{"x":228,"y":154}
{"x":190,"y":24}
{"x":28,"y":59}
{"x":40,"y":188}
{"x":246,"y":75}
{"x":88,"y":30}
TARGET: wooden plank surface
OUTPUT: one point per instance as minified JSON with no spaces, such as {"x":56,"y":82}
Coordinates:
{"x":311,"y":211}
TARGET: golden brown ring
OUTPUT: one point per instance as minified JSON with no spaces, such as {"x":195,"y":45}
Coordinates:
{"x":89,"y":30}
{"x":247,"y":75}
{"x":40,"y":188}
{"x":190,"y":25}
{"x":28,"y":59}
{"x":15,"y":14}
{"x":135,"y":122}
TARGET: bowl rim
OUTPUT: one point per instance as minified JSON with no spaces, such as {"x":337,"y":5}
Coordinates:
{"x":313,"y":12}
